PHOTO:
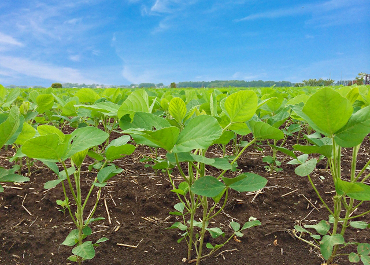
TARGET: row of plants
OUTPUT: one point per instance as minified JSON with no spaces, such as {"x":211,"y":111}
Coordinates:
{"x":186,"y":123}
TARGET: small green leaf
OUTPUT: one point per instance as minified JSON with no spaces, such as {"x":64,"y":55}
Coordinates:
{"x":235,"y":226}
{"x":86,"y":231}
{"x":86,"y":250}
{"x":118,"y":148}
{"x":359,"y":224}
{"x":101,"y":240}
{"x":71,"y":239}
{"x":9,"y":126}
{"x":107,"y":173}
{"x":357,"y":190}
{"x":177,"y":109}
{"x":209,"y":246}
{"x":215,"y":232}
{"x":207,"y":186}
{"x":179,"y":225}
{"x":322,"y":227}
{"x":250,"y":224}
{"x":328,"y":242}
{"x":306,"y":168}
{"x":353,"y":257}
{"x":44,"y":102}
{"x":180,"y":207}
{"x":363,"y":249}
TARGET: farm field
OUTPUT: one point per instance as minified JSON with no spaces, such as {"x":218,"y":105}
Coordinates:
{"x":247,"y":161}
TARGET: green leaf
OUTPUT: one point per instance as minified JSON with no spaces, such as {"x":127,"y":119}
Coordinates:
{"x":12,"y":96}
{"x":215,"y":232}
{"x":263,"y":130}
{"x":250,"y":224}
{"x":101,"y":240}
{"x":118,"y":148}
{"x":325,"y":150}
{"x":137,"y":101}
{"x":179,"y":225}
{"x":13,"y":178}
{"x":249,"y":182}
{"x":241,"y":106}
{"x":363,"y":249}
{"x":306,"y":168}
{"x":235,"y":226}
{"x":48,"y":129}
{"x":365,"y":260}
{"x":2,"y":92}
{"x":9,"y":126}
{"x":284,"y":150}
{"x":209,"y":246}
{"x":144,"y":120}
{"x":301,"y":229}
{"x":180,"y":207}
{"x":86,"y":231}
{"x":44,"y":147}
{"x":354,"y":132}
{"x":322,"y":227}
{"x":358,"y":191}
{"x":353,"y":257}
{"x":71,"y":239}
{"x":44,"y":102}
{"x":199,"y":132}
{"x":203,"y":159}
{"x":27,"y":133}
{"x":177,"y":109}
{"x":79,"y":157}
{"x":86,"y":250}
{"x":108,"y":172}
{"x":225,"y":138}
{"x":328,"y":242}
{"x":328,"y":110}
{"x":52,"y":183}
{"x":87,"y":95}
{"x":359,"y":224}
{"x":85,"y":138}
{"x":207,"y":186}
{"x":165,"y":138}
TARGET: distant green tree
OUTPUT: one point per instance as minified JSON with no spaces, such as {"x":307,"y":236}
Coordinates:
{"x":173,"y":85}
{"x":56,"y":85}
{"x":146,"y":85}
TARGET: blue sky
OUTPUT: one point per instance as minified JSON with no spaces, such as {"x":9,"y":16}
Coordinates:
{"x":138,"y":41}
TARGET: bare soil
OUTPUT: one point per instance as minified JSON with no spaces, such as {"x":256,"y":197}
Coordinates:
{"x":136,"y":206}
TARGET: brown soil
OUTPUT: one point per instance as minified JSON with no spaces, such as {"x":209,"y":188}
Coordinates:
{"x":139,"y":201}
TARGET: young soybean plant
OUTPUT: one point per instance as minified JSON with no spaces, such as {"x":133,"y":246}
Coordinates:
{"x":54,"y":146}
{"x":332,"y":116}
{"x":10,"y":124}
{"x":188,"y":143}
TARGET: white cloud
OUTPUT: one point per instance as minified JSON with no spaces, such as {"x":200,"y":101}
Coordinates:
{"x":43,"y":70}
{"x":6,"y":39}
{"x":319,"y":10}
{"x":75,"y":58}
{"x":247,"y":76}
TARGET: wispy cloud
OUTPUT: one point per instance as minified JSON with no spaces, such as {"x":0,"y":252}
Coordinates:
{"x":248,"y":76}
{"x":43,"y":70}
{"x":319,"y":11}
{"x":6,"y":39}
{"x":136,"y":77}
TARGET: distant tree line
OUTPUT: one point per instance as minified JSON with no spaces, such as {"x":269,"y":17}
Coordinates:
{"x":233,"y":83}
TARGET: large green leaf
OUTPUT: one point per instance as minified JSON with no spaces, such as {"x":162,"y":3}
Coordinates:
{"x":328,"y":242}
{"x":207,"y":186}
{"x":357,"y":191}
{"x":354,"y":132}
{"x":44,"y":102}
{"x":248,"y":182}
{"x":44,"y":147}
{"x":86,"y":250}
{"x":137,"y":101}
{"x":199,"y":132}
{"x":164,"y":138}
{"x":263,"y":130}
{"x":11,"y":97}
{"x":2,"y":92}
{"x":328,"y":110}
{"x":85,"y":138}
{"x":87,"y":95}
{"x":27,"y":133}
{"x":241,"y":106}
{"x":325,"y":150}
{"x":48,"y":129}
{"x":177,"y":109}
{"x":9,"y":126}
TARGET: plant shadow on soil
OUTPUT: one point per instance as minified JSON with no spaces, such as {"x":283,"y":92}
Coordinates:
{"x":139,"y":201}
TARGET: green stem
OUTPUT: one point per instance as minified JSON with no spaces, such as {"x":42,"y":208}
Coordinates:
{"x":318,"y":194}
{"x":203,"y":231}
